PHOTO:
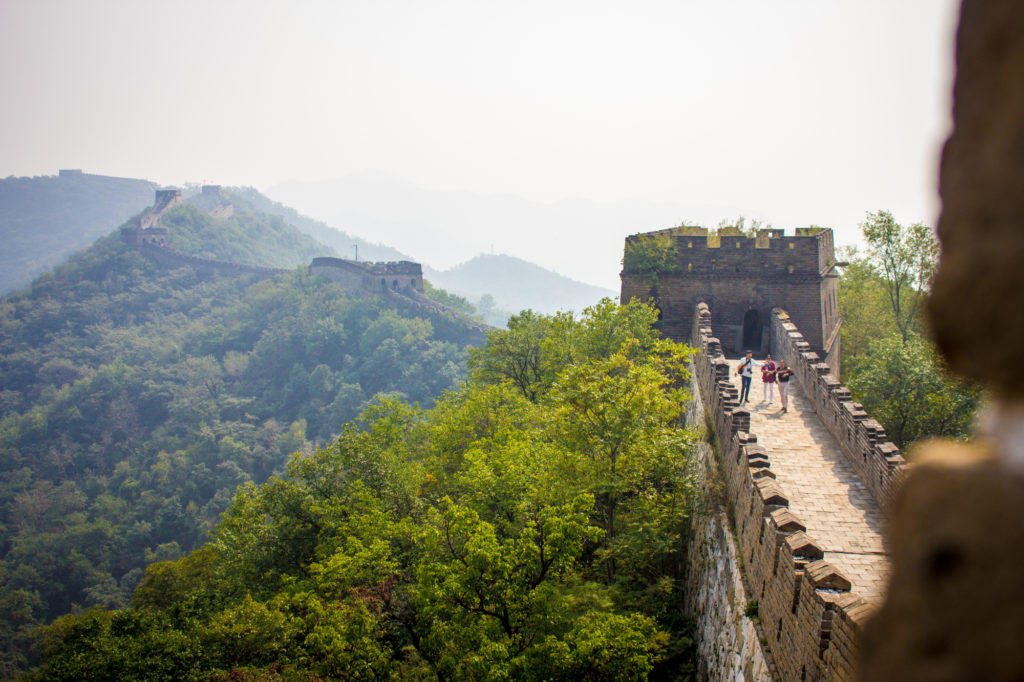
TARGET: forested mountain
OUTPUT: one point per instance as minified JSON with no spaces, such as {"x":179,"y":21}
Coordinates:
{"x":45,"y":219}
{"x":136,"y":397}
{"x":243,"y":237}
{"x":530,"y":526}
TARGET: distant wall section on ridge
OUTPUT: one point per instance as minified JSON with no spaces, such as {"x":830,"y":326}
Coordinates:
{"x":400,"y":282}
{"x":355,"y":276}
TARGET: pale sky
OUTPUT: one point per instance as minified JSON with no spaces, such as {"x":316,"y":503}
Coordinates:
{"x":794,"y":111}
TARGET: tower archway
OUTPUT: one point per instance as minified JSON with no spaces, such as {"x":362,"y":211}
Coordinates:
{"x":752,"y":328}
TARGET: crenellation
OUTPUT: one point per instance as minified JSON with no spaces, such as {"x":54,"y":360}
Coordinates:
{"x":786,"y":521}
{"x":802,"y":546}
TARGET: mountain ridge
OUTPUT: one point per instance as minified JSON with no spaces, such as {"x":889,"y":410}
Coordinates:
{"x":44,"y":219}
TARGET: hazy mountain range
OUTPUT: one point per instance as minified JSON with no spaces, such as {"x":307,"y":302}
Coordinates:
{"x":44,"y":219}
{"x":579,"y":238}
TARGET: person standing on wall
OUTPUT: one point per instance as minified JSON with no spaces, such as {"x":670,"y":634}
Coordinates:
{"x":782,"y":374}
{"x":768,"y":380}
{"x":746,"y":372}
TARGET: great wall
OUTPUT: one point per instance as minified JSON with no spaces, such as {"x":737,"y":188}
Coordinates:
{"x":797,"y":531}
{"x":400,"y":283}
{"x":787,"y":562}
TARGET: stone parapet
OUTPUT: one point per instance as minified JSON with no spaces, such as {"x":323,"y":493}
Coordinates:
{"x":878,"y":462}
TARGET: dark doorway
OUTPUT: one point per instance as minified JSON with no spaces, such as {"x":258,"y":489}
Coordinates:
{"x":752,"y":331}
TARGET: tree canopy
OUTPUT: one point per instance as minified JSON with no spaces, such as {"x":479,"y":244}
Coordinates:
{"x":502,"y":534}
{"x":136,"y":398}
{"x":889,"y":362}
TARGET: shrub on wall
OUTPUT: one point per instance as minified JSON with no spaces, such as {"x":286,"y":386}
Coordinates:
{"x":650,"y":255}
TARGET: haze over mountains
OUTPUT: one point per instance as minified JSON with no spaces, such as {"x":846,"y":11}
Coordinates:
{"x":517,"y":285}
{"x":580,"y":238}
{"x":44,"y":219}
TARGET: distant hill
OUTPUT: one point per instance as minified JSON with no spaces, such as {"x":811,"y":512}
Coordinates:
{"x":45,"y":219}
{"x":516,"y":285}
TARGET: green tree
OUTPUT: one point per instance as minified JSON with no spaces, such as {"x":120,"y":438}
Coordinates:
{"x":864,"y":303}
{"x":621,"y":416}
{"x":906,"y":257}
{"x":904,"y":385}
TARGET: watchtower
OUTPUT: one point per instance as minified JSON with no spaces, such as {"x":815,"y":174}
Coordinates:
{"x":165,"y":199}
{"x":368,"y":277}
{"x":741,"y":278}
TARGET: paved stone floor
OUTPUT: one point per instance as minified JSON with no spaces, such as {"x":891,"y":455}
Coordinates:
{"x":823,"y":490}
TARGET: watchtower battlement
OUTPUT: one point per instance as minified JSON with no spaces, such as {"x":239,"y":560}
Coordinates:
{"x":770,"y":253}
{"x":742,"y":278}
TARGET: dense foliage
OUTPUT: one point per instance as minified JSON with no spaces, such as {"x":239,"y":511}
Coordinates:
{"x":888,"y":360}
{"x":649,"y":255}
{"x":526,"y":527}
{"x":135,"y":398}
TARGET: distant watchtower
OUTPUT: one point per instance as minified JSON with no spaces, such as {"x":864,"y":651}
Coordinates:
{"x":741,"y":278}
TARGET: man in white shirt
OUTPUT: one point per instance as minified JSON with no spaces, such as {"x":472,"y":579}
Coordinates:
{"x":746,"y":371}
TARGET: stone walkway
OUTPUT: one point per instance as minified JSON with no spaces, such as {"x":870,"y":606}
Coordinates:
{"x":823,"y":490}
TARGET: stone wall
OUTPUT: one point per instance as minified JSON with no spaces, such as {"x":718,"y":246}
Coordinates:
{"x":878,"y":463}
{"x":354,"y":278}
{"x":810,"y":619}
{"x":953,"y":611}
{"x":351,"y":276}
{"x":172,"y":258}
{"x":366,"y":277}
{"x":727,"y":637}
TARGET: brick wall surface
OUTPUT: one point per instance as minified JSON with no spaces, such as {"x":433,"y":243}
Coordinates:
{"x":727,"y":636}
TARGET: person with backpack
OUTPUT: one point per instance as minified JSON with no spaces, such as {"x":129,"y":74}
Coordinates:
{"x":746,"y":371}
